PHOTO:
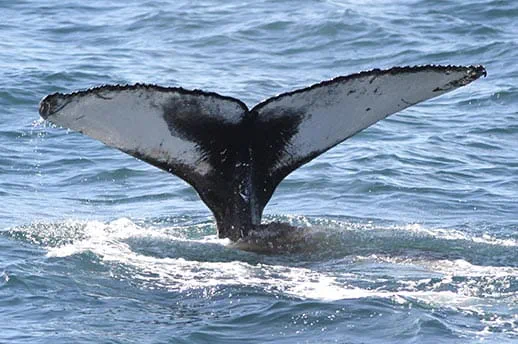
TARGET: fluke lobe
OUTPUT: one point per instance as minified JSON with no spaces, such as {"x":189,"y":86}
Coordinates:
{"x":234,"y":156}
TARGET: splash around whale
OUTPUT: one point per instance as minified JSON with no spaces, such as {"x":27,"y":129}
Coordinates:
{"x":233,"y":156}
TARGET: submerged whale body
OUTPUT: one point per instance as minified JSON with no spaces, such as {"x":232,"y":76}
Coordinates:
{"x":235,"y":156}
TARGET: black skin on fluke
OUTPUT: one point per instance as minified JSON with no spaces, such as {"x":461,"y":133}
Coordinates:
{"x":248,"y":151}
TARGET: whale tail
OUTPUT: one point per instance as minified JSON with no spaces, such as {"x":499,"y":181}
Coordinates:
{"x":234,"y":156}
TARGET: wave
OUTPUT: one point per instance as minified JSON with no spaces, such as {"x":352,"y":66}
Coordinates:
{"x":177,"y":250}
{"x":328,"y":260}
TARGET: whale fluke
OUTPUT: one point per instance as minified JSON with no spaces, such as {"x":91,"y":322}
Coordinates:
{"x":234,"y":156}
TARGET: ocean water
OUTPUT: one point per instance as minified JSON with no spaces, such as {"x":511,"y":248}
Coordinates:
{"x":411,"y":226}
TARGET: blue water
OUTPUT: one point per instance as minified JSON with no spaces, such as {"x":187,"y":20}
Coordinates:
{"x":412,"y":224}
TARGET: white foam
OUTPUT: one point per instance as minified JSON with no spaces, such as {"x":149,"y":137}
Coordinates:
{"x":451,"y":234}
{"x":4,"y":278}
{"x":413,"y":229}
{"x":109,"y":241}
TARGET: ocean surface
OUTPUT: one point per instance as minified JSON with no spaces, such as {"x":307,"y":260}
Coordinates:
{"x":411,"y":226}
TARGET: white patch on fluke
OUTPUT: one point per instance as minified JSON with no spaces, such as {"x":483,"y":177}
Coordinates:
{"x":132,"y":120}
{"x":339,"y":109}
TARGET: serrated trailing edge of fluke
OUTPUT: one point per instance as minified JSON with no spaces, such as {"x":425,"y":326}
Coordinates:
{"x":136,"y":86}
{"x":476,"y":72}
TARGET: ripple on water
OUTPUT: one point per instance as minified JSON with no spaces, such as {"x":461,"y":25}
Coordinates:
{"x":362,"y":270}
{"x":340,"y":271}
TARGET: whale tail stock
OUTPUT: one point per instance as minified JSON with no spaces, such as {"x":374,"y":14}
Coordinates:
{"x":234,"y":156}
